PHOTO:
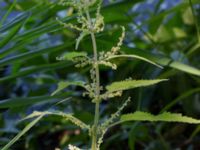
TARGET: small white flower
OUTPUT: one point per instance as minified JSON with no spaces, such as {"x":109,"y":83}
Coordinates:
{"x":71,"y":147}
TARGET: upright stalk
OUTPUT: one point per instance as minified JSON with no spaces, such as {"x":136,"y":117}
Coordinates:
{"x":97,"y":89}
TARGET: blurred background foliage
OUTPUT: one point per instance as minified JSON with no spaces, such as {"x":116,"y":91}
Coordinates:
{"x":164,"y":31}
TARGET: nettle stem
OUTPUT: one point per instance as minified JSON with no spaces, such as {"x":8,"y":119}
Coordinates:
{"x":97,"y":90}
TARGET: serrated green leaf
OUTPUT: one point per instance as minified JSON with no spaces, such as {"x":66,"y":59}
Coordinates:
{"x":64,"y":84}
{"x":130,"y":84}
{"x":166,"y":116}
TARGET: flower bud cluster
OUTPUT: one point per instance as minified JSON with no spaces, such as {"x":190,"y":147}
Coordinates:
{"x":82,"y":61}
{"x":69,"y":25}
{"x":90,"y":90}
{"x":105,"y":56}
{"x":111,"y":95}
{"x":77,"y":3}
{"x":93,"y":75}
{"x":102,"y":59}
{"x":71,"y":147}
{"x":104,"y":127}
{"x":129,"y":79}
{"x":94,"y":25}
{"x":109,"y":64}
{"x":100,"y":140}
{"x":76,"y":121}
{"x":114,"y":116}
{"x":115,"y":50}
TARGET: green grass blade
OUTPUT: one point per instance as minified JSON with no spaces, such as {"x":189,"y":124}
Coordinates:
{"x":20,"y":134}
{"x":195,"y":132}
{"x":20,"y":102}
{"x":19,"y":19}
{"x":32,"y":54}
{"x":10,"y":35}
{"x":181,"y":97}
{"x":34,"y":69}
{"x":193,"y":49}
{"x":8,"y":12}
{"x":195,"y":20}
{"x":64,"y":84}
{"x":52,"y":26}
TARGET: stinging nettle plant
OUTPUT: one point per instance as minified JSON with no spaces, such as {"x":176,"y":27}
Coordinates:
{"x":88,"y":25}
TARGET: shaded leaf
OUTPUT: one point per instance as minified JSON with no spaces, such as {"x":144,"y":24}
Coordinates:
{"x":19,"y":19}
{"x":19,"y":102}
{"x":32,"y":54}
{"x":20,"y":134}
{"x":181,"y":97}
{"x":64,"y":84}
{"x":10,"y":35}
{"x":34,"y":69}
{"x":8,"y":12}
{"x":137,"y":57}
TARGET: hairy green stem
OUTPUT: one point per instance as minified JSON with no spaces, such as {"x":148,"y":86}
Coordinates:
{"x":97,"y":90}
{"x":95,"y":127}
{"x":8,"y":12}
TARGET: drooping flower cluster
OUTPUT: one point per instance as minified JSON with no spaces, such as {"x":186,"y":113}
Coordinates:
{"x":105,"y":56}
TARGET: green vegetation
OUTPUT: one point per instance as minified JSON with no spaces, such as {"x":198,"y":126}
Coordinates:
{"x":115,"y":58}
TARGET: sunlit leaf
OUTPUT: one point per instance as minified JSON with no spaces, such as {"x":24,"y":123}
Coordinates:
{"x":130,"y":84}
{"x":166,"y":116}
